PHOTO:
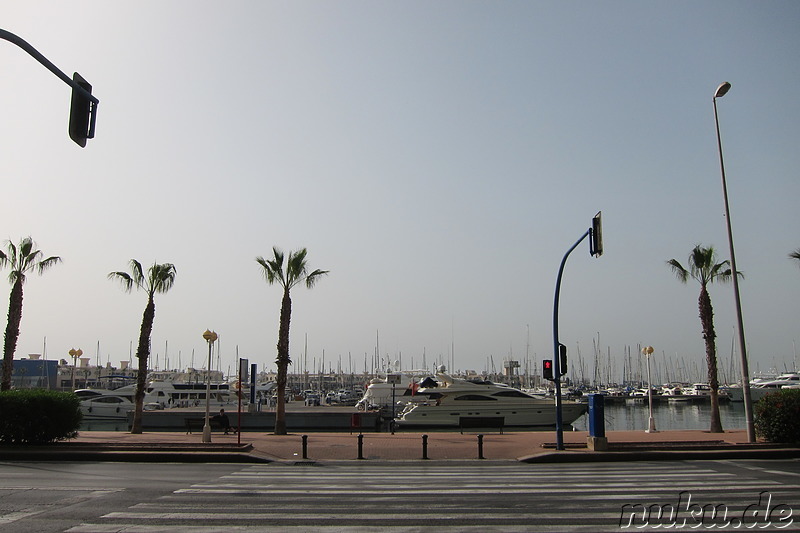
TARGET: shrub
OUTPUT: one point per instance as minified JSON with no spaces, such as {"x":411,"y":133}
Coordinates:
{"x":36,"y":416}
{"x":777,"y":416}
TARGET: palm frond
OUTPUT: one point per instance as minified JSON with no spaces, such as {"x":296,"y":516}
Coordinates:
{"x":296,"y":267}
{"x":161,"y":277}
{"x":12,"y":253}
{"x":46,"y":264}
{"x":721,"y":272}
{"x":24,"y":258}
{"x":311,"y":279}
{"x":137,"y":273}
{"x":25,"y":247}
{"x":122,"y":277}
{"x":681,"y":273}
{"x":270,"y":269}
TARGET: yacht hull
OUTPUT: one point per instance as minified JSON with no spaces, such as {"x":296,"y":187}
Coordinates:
{"x":522,"y":415}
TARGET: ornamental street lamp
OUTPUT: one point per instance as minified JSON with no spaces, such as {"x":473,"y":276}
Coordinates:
{"x":75,"y":354}
{"x":210,"y":337}
{"x":748,"y":404}
{"x":651,"y":426}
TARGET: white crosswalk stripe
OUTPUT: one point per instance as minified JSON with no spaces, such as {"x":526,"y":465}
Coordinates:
{"x":404,"y":498}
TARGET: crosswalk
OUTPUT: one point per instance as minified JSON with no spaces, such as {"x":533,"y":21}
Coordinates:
{"x":499,"y":497}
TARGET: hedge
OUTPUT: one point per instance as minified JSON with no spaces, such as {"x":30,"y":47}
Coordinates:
{"x":37,"y":416}
{"x":777,"y":416}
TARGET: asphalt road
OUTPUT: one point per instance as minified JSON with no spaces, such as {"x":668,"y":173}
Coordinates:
{"x":414,"y":496}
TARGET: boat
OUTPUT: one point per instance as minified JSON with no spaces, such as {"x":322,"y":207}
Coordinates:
{"x":637,"y":395}
{"x":762,"y":387}
{"x":698,"y":389}
{"x":397,"y":387}
{"x":105,"y":404}
{"x":450,"y":400}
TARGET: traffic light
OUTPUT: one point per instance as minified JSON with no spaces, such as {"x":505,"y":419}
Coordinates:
{"x":547,"y":369}
{"x":81,"y":112}
{"x":562,"y":359}
{"x":596,"y":234}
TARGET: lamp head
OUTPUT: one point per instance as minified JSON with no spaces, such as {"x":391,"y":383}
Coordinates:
{"x":722,"y":89}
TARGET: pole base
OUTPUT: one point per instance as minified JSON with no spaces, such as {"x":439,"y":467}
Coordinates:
{"x":652,"y":427}
{"x":206,"y":433}
{"x":597,"y":444}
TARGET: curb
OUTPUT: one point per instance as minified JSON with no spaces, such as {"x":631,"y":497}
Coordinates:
{"x":155,"y":452}
{"x":671,"y":454}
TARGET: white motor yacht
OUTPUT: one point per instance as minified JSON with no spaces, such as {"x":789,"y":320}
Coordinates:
{"x":760,"y":388}
{"x":450,"y":400}
{"x":111,"y":404}
{"x":396,"y":388}
{"x":103,"y":404}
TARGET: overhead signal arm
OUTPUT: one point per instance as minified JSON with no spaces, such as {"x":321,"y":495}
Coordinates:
{"x":83,"y":108}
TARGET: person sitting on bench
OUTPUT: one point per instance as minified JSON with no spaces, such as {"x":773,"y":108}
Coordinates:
{"x":223,"y":420}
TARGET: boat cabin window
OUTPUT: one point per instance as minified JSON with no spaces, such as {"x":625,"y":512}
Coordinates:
{"x":109,"y":399}
{"x":511,"y":394}
{"x":474,"y":397}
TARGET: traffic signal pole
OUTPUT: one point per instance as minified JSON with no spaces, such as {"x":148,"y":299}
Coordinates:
{"x":556,"y":343}
{"x":595,"y":248}
{"x":78,"y":85}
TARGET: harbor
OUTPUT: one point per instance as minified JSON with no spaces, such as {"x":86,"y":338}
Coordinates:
{"x":397,"y":400}
{"x":619,"y":416}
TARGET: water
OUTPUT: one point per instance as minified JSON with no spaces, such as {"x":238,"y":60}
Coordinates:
{"x":680,"y":415}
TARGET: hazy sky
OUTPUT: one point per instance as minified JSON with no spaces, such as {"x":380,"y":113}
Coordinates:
{"x":439,"y":158}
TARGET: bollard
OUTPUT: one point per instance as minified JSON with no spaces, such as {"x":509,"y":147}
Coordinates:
{"x":480,"y":447}
{"x":305,"y":446}
{"x":424,"y":446}
{"x":360,"y":446}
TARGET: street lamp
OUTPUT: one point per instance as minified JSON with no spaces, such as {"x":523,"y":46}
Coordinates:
{"x":651,"y":426}
{"x":210,"y":337}
{"x":75,"y":354}
{"x":748,"y":404}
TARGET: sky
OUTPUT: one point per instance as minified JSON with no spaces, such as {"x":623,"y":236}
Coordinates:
{"x":437,"y":158}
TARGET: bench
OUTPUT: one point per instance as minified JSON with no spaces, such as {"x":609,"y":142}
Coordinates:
{"x":199,"y":423}
{"x":481,"y":422}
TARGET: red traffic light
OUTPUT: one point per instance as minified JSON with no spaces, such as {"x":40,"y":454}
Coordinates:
{"x":547,"y":369}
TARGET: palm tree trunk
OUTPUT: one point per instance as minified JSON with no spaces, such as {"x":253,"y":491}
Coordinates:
{"x":143,"y":353}
{"x":12,"y":332}
{"x":707,"y":320}
{"x":283,"y":363}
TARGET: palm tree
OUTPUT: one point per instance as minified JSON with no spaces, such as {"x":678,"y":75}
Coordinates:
{"x":795,"y":254}
{"x":704,"y":269}
{"x":159,"y":278}
{"x":296,"y":272}
{"x":22,"y":259}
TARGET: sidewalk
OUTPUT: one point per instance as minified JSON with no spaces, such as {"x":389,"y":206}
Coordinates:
{"x":405,"y":446}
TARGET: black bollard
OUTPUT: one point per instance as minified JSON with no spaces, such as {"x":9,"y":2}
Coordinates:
{"x":360,"y":446}
{"x":480,"y":447}
{"x":305,"y":446}
{"x":424,"y":446}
